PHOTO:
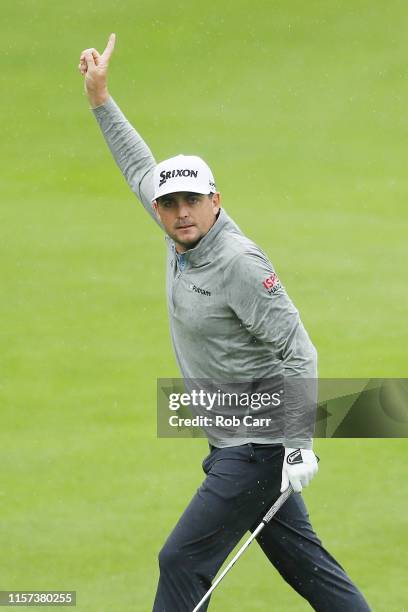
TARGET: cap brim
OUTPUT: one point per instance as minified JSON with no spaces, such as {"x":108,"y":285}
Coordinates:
{"x":181,"y":188}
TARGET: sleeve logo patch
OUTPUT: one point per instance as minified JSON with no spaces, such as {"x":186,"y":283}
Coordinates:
{"x":272,"y":283}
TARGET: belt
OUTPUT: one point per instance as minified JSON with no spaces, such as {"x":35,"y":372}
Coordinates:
{"x":249,"y":444}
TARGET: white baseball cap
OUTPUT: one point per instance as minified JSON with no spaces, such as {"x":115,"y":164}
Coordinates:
{"x":183,"y":173}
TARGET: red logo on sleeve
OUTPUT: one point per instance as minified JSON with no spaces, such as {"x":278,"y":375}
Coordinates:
{"x":272,"y":283}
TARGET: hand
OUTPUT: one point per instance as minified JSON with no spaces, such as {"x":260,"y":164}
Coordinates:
{"x":95,"y":68}
{"x":299,"y":467}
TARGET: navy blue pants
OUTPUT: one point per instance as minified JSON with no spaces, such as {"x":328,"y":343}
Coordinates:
{"x":241,"y":484}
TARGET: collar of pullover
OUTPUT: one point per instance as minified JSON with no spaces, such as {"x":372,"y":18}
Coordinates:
{"x":204,"y":252}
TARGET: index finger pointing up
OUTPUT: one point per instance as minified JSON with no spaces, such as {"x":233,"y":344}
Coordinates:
{"x":109,"y":47}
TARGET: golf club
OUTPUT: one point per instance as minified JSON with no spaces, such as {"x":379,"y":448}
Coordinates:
{"x":268,"y":516}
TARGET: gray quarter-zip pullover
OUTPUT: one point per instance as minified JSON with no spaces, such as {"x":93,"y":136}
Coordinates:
{"x":230,"y":317}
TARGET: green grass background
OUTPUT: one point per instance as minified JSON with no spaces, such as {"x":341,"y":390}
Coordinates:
{"x":301,"y":110}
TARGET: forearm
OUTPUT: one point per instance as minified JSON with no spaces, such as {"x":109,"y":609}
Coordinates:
{"x":301,"y":385}
{"x":128,"y":148}
{"x":98,"y":99}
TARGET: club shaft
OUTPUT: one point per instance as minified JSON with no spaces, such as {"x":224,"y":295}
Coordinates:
{"x":268,"y":516}
{"x":230,"y":564}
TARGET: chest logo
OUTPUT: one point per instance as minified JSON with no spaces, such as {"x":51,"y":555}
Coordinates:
{"x":193,"y":287}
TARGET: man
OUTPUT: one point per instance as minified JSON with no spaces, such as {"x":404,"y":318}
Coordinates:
{"x":231,"y":320}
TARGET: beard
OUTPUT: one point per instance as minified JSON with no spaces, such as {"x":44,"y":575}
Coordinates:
{"x":187,"y":243}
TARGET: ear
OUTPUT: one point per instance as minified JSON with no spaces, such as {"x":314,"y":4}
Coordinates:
{"x":156,"y":209}
{"x":216,"y":202}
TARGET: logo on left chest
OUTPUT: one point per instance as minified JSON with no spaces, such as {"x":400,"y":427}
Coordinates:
{"x":193,"y":287}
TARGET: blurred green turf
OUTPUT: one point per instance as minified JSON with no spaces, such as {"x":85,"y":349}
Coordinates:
{"x":300,"y":108}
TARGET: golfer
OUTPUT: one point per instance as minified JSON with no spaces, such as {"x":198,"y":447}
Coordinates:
{"x":231,"y":320}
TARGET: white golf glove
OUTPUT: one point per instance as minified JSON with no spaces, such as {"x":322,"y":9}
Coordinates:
{"x":299,"y":467}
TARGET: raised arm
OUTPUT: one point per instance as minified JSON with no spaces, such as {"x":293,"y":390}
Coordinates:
{"x":129,"y":150}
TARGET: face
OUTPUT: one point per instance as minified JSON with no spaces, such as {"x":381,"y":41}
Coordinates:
{"x":187,"y":217}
